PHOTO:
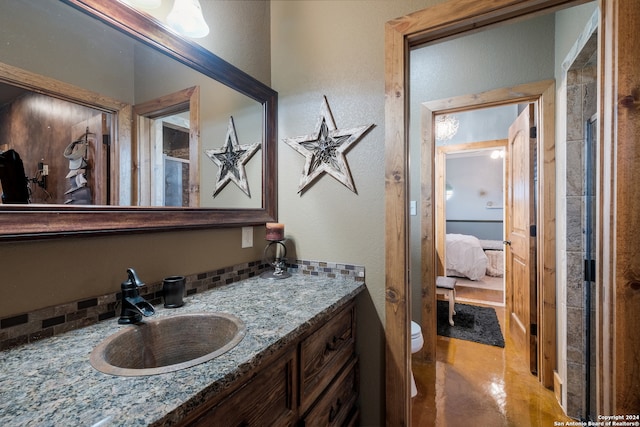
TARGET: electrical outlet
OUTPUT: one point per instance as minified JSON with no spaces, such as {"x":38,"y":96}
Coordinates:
{"x":247,"y":237}
{"x":413,"y":208}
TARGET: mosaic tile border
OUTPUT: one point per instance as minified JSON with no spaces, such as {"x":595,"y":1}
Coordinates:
{"x":29,"y":327}
{"x":329,"y":269}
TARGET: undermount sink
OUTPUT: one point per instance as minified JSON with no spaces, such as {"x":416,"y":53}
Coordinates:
{"x":167,"y":344}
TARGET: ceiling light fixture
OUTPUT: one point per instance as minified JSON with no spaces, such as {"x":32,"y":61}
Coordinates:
{"x":446,"y":127}
{"x":497,"y":154}
{"x":186,"y":19}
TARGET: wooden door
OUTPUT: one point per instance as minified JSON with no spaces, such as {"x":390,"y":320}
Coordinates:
{"x":521,"y":253}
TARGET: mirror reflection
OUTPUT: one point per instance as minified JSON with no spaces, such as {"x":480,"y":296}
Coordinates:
{"x":81,"y":148}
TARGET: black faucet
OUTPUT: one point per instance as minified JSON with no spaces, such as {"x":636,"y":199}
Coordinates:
{"x":133,"y":305}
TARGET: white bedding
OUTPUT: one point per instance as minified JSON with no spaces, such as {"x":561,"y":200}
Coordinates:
{"x":465,"y":257}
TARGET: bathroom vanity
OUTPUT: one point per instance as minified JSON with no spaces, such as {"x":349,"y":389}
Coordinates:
{"x":320,"y":369}
{"x":297,"y":362}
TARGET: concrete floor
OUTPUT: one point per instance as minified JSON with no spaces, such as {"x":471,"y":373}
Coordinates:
{"x":474,"y":384}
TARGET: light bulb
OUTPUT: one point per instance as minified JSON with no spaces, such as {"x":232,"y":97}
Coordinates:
{"x":186,"y":19}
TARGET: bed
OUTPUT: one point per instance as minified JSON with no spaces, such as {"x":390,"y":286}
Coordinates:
{"x":468,"y":256}
{"x":465,"y":257}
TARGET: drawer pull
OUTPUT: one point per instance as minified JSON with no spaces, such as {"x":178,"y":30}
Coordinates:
{"x":334,"y":411}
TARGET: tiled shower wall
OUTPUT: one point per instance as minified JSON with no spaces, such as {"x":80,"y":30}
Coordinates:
{"x":581,"y":106}
{"x":47,"y":322}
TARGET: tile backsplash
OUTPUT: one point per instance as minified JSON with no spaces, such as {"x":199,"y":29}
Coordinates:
{"x":24,"y":328}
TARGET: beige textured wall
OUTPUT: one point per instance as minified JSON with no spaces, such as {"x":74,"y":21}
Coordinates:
{"x":336,"y":49}
{"x":46,"y":273}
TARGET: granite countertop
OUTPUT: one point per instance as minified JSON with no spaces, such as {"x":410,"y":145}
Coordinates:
{"x":51,"y":382}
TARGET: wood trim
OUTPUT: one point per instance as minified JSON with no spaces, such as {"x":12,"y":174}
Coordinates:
{"x":432,"y":263}
{"x":195,"y":147}
{"x":57,"y":89}
{"x":454,"y":17}
{"x":477,"y":221}
{"x":493,"y":98}
{"x":471,"y":146}
{"x":121,"y":155}
{"x":605,"y":258}
{"x":619,"y":203}
{"x":546,"y":236}
{"x":397,"y":290}
{"x":437,"y":22}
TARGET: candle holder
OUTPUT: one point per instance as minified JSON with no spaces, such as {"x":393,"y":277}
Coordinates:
{"x":279,"y":263}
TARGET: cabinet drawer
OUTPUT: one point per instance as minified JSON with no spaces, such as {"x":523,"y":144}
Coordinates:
{"x":324,"y":353}
{"x":336,"y":407}
{"x":266,"y":399}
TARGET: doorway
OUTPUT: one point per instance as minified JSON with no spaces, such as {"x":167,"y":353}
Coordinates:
{"x":616,"y":196}
{"x":426,"y":26}
{"x":174,"y":168}
{"x":537,"y":94}
{"x":168,"y":142}
{"x":470,"y":212}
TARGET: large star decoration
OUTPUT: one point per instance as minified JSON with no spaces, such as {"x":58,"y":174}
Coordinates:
{"x":231,"y":159}
{"x":325,"y":150}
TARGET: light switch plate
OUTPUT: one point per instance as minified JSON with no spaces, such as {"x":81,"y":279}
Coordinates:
{"x":413,"y":208}
{"x":247,"y":237}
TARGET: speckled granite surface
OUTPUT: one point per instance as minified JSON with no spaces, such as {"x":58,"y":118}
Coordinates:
{"x":51,"y":382}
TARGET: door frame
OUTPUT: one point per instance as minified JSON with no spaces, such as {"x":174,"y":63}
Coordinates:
{"x":143,"y":116}
{"x":440,"y":193}
{"x":542,"y":94}
{"x":158,"y":158}
{"x":450,"y":18}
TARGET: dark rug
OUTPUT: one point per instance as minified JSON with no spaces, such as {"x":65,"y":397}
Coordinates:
{"x":471,"y":323}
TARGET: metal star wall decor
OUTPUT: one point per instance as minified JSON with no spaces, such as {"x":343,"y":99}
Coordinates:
{"x":325,"y":149}
{"x":231,"y":159}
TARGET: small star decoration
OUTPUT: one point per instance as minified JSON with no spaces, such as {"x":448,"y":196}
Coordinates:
{"x":231,"y":159}
{"x":325,"y":149}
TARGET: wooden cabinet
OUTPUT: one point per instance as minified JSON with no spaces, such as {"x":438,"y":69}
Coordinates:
{"x":267,"y":399}
{"x":337,"y":405}
{"x":312,"y":382}
{"x":323,"y":354}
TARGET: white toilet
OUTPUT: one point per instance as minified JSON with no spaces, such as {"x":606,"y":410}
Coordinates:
{"x":416,"y":344}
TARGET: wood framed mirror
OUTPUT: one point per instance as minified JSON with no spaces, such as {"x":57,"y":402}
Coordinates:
{"x":114,"y":213}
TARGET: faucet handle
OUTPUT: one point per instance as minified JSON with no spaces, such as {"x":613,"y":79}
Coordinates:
{"x":133,"y":305}
{"x":133,"y":279}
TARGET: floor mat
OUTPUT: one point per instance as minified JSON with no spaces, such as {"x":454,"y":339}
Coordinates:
{"x":472,"y":323}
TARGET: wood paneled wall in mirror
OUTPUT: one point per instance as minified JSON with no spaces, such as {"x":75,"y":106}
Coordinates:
{"x":118,"y":124}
